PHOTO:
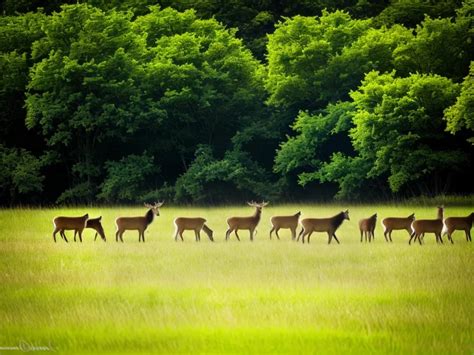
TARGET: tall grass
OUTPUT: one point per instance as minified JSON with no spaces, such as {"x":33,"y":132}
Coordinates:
{"x":261,"y":297}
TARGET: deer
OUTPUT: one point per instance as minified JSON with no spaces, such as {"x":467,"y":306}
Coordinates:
{"x":94,"y":223}
{"x":367,"y":227}
{"x":285,"y":222}
{"x":422,"y":226}
{"x":137,"y":223}
{"x":247,"y":223}
{"x":196,"y":224}
{"x":328,"y":225}
{"x":390,"y":224}
{"x":451,"y":224}
{"x":62,"y":224}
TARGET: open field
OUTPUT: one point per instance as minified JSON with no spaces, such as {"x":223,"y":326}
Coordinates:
{"x":261,"y":297}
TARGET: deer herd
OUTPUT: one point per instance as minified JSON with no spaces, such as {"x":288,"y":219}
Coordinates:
{"x":415,"y":228}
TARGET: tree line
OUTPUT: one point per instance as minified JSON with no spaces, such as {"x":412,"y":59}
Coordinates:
{"x":216,"y":101}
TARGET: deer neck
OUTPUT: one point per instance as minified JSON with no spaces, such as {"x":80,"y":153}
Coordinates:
{"x":149,"y":216}
{"x":257,"y":214}
{"x":440,"y":214}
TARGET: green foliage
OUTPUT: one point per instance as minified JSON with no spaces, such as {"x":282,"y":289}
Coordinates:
{"x":200,"y":182}
{"x":441,"y":46}
{"x":299,"y":53}
{"x":128,"y":179}
{"x":461,"y":115}
{"x":20,"y":173}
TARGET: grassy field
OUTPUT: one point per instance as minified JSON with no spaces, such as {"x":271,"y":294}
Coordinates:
{"x":230,"y":297}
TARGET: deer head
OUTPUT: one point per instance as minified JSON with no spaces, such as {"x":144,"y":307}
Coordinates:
{"x":258,"y":206}
{"x":346,"y":214}
{"x":155,"y":207}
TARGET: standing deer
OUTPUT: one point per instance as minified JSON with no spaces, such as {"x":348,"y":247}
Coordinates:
{"x":195,"y":224}
{"x":249,"y":223}
{"x":137,"y":223}
{"x":390,"y":224}
{"x":328,"y":225}
{"x":367,"y":227}
{"x":62,"y":224}
{"x":458,"y":223}
{"x":286,"y":222}
{"x":94,"y":223}
{"x":422,"y":226}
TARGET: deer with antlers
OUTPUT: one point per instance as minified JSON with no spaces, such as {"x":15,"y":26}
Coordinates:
{"x":246,"y":223}
{"x":195,"y":224}
{"x":137,"y":223}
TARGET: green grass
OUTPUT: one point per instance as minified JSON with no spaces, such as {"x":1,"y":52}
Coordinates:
{"x":261,"y":297}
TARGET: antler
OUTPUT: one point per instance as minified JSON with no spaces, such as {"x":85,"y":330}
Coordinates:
{"x":159,"y":204}
{"x":252,"y":204}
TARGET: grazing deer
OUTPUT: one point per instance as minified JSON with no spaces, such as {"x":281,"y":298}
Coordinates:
{"x":69,"y":223}
{"x":458,"y":223}
{"x":390,"y":224}
{"x":94,"y":223}
{"x":195,"y":224}
{"x":137,"y":223}
{"x":249,"y":223}
{"x":422,"y":226}
{"x":367,"y":227}
{"x":286,"y":222}
{"x":328,"y":225}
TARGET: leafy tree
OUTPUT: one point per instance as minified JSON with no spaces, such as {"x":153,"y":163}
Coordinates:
{"x":399,"y":134}
{"x":300,"y":50}
{"x":20,"y":174}
{"x":129,"y":178}
{"x":441,"y":46}
{"x":210,"y":180}
{"x":460,"y":116}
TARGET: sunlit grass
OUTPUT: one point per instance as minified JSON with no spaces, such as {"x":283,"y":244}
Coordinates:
{"x":265,"y":296}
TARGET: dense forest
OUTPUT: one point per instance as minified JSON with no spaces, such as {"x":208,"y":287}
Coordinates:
{"x":214,"y":101}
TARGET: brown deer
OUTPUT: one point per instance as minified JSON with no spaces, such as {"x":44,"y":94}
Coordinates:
{"x":195,"y":224}
{"x":285,"y":222}
{"x":422,"y":226}
{"x":458,"y":223}
{"x":367,"y":227}
{"x":62,"y":224}
{"x":94,"y":223}
{"x":390,"y":224}
{"x":246,"y":223}
{"x":137,"y":223}
{"x":328,"y":225}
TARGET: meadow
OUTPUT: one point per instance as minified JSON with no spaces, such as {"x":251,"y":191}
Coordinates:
{"x":273,"y":296}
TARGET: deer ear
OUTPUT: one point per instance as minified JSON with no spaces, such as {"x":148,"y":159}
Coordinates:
{"x":100,"y":218}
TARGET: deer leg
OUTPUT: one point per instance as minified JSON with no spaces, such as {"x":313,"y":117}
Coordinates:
{"x":121,"y":236}
{"x":79,"y":232}
{"x":468,"y":235}
{"x":95,"y":237}
{"x":196,"y":236}
{"x":271,"y":231}
{"x":361,"y":235}
{"x":309,"y":235}
{"x":276,"y":232}
{"x":304,"y":234}
{"x":385,"y":235}
{"x":199,"y":235}
{"x":227,"y":234}
{"x":300,"y":234}
{"x":237,"y":235}
{"x":63,"y":235}
{"x":335,"y":238}
{"x":251,"y":234}
{"x":420,"y":239}
{"x":143,"y":236}
{"x":440,"y":238}
{"x":390,"y":236}
{"x":411,"y":237}
{"x":329,"y":237}
{"x":293,"y":233}
{"x":181,"y":235}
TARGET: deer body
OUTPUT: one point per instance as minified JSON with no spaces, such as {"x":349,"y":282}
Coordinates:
{"x":390,"y":224}
{"x":422,"y":226}
{"x":246,"y":223}
{"x":458,"y":223}
{"x":285,"y":222}
{"x":95,"y":224}
{"x":367,"y":227}
{"x":137,"y":223}
{"x":196,"y":224}
{"x":62,"y":224}
{"x":328,"y":225}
